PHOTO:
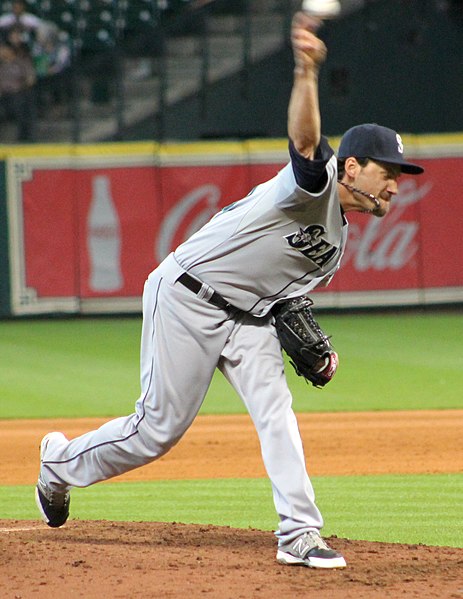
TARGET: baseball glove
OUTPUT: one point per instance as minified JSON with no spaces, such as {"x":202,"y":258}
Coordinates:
{"x":307,"y":346}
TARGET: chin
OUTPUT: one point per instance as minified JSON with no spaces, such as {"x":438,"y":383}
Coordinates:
{"x":382,"y":210}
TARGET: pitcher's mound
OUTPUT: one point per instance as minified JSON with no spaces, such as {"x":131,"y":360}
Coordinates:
{"x":125,"y":560}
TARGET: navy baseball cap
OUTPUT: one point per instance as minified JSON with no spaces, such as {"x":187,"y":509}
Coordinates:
{"x":378,"y":143}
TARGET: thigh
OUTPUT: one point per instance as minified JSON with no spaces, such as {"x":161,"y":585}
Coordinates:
{"x":182,"y":340}
{"x":253,"y":363}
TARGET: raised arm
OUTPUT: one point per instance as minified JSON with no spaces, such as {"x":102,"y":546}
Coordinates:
{"x":303,"y":111}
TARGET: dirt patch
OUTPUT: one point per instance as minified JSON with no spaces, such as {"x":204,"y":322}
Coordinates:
{"x":132,"y":560}
{"x":227,"y":446}
{"x":128,"y":560}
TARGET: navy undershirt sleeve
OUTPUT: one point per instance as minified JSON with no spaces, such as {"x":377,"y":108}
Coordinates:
{"x":311,"y":174}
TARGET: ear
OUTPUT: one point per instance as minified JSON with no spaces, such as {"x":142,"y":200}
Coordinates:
{"x":351,"y":167}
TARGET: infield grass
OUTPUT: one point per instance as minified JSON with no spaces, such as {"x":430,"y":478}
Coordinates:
{"x":84,"y":367}
{"x":90,"y":366}
{"x":408,"y":509}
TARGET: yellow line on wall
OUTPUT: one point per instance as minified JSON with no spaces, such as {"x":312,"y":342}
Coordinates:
{"x":210,"y":148}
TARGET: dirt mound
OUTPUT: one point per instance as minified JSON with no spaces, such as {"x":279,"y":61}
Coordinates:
{"x":132,"y":560}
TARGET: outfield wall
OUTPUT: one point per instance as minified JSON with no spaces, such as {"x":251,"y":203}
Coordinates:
{"x":82,"y":226}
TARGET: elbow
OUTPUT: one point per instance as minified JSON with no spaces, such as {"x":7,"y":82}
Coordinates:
{"x":305,"y":146}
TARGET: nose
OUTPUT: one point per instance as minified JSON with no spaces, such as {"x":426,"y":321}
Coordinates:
{"x":393,"y":186}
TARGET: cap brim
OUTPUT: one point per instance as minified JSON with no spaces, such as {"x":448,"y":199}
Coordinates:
{"x":411,"y":169}
{"x":406,"y":167}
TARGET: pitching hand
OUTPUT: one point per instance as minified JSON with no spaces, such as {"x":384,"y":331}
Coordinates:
{"x":309,"y":50}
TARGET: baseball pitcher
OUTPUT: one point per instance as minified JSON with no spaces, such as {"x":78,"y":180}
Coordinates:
{"x":231,"y":297}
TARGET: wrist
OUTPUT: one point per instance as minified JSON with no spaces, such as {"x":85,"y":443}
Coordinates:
{"x":304,"y":70}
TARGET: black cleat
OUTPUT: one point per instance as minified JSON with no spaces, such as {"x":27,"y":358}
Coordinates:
{"x":53,"y":505}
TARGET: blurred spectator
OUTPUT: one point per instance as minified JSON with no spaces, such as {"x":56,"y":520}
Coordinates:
{"x":17,"y":94}
{"x":51,"y":54}
{"x":14,"y":37}
{"x":41,"y":40}
{"x":19,"y":17}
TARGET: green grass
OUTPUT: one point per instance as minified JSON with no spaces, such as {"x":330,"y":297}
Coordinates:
{"x":90,"y":367}
{"x":398,"y":509}
{"x":53,"y":368}
{"x":69,"y":368}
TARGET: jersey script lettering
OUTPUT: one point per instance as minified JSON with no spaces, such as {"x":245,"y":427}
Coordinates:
{"x":309,"y":241}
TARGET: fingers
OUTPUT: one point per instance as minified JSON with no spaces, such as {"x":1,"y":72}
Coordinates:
{"x":304,"y":41}
{"x":304,"y":21}
{"x":307,"y":47}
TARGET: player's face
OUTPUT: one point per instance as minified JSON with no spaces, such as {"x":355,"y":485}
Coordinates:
{"x":380,"y":179}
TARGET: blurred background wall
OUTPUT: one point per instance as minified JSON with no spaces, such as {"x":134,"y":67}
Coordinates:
{"x":97,"y":183}
{"x":206,"y":69}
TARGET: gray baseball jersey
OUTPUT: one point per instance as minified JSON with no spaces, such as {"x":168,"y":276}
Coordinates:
{"x":280,"y":241}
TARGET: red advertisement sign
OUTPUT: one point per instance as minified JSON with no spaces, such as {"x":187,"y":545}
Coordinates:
{"x":118,"y":212}
{"x":98,"y":232}
{"x":50,"y":224}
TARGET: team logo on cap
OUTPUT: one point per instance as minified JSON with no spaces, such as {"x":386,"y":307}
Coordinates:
{"x":400,"y":145}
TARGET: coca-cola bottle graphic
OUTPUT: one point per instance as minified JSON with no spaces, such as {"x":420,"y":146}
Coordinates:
{"x":103,"y":238}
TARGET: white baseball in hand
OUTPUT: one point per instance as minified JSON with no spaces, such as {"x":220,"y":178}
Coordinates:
{"x":323,"y":9}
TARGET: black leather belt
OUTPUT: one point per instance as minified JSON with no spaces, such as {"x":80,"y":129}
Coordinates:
{"x":195,"y":286}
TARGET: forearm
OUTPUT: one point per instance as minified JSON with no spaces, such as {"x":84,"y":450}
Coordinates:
{"x":303,"y":111}
{"x":304,"y":121}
